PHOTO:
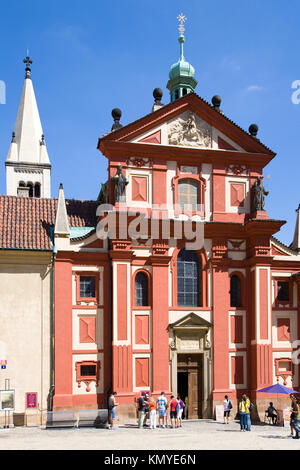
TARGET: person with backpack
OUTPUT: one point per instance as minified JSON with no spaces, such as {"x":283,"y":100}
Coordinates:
{"x":227,"y":409}
{"x":142,"y":409}
{"x":244,"y":412}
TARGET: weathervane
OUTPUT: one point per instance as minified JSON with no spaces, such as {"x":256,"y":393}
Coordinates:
{"x":181,"y":18}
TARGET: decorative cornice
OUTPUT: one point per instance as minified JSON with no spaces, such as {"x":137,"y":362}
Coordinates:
{"x":24,"y":165}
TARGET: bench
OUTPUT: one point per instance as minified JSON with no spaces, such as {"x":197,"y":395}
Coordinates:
{"x":61,"y":419}
{"x":93,"y":418}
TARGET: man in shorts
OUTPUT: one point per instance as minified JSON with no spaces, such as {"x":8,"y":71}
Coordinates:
{"x":112,"y":409}
{"x":162,"y":409}
{"x":173,"y":412}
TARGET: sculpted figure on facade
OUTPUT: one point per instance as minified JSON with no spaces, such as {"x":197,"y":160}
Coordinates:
{"x":120,"y":184}
{"x":259,"y":195}
{"x":190,"y":132}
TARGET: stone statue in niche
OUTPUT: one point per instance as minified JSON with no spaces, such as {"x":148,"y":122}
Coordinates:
{"x":259,"y":195}
{"x":190,"y":131}
{"x":120,"y":184}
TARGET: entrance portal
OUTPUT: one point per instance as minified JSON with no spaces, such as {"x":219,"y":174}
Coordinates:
{"x":183,"y":388}
{"x":190,"y":382}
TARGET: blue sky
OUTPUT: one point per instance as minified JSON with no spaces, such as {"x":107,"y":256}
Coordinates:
{"x":89,"y":57}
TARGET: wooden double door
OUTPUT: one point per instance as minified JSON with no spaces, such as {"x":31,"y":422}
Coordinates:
{"x":190,"y":382}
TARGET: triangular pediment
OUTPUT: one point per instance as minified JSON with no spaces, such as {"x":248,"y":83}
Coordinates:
{"x":191,"y":131}
{"x":187,"y":122}
{"x":191,"y":320}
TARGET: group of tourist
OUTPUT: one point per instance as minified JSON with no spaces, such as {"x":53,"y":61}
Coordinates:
{"x":148,"y":407}
{"x":245,"y":407}
{"x":170,"y":413}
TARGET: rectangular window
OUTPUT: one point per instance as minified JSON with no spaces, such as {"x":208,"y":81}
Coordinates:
{"x":188,"y":194}
{"x":87,"y":287}
{"x":283,"y":294}
{"x":88,"y":370}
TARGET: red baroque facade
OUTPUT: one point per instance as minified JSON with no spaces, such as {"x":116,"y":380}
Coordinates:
{"x":144,"y":313}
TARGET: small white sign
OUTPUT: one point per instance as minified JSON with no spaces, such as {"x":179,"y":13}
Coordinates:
{"x":220,"y":413}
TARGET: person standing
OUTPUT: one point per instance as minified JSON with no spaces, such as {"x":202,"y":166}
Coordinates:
{"x":141,"y":409}
{"x":186,"y":407}
{"x":227,"y":409}
{"x":173,"y":412}
{"x":292,"y":416}
{"x":249,"y":407}
{"x":179,"y":417}
{"x":152,"y":411}
{"x":244,"y":406}
{"x":162,"y":409}
{"x":147,"y":415}
{"x":112,"y":409}
{"x":296,"y":422}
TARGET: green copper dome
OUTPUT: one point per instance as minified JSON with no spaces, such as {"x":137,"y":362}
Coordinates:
{"x":181,"y":76}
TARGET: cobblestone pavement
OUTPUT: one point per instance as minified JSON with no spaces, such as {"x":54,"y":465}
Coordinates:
{"x":202,"y":434}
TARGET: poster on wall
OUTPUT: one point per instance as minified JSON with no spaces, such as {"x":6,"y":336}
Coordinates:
{"x":7,"y":400}
{"x":31,"y":400}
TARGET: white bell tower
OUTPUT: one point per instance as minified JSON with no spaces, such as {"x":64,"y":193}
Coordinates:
{"x":28,"y":168}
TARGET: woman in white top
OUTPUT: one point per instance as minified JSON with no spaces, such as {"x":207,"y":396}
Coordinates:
{"x":227,"y":408}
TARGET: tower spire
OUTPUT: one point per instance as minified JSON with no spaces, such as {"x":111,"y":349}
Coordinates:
{"x":27,"y":162}
{"x":181,"y":76}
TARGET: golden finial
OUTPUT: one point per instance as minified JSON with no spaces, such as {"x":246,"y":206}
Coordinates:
{"x":181,"y":18}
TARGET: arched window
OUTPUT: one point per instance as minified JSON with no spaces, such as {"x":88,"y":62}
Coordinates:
{"x":188,"y":194}
{"x":188,"y":279}
{"x":21,"y":184}
{"x":141,"y":290}
{"x":235,"y":291}
{"x":37,"y":190}
{"x":184,"y":91}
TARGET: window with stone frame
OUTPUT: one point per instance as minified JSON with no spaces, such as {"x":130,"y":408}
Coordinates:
{"x":87,"y":287}
{"x":141,"y":290}
{"x":188,"y":194}
{"x":283,"y":291}
{"x":235,"y":291}
{"x":188,"y":279}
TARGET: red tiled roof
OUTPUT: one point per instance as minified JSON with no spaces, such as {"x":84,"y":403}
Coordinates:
{"x":25,"y":223}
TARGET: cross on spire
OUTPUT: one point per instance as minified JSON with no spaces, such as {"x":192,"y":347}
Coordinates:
{"x":181,"y":18}
{"x":28,"y":62}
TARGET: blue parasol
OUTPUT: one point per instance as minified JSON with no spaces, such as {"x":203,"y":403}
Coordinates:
{"x":277,"y":388}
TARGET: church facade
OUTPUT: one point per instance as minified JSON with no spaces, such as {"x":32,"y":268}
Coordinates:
{"x":172,"y":280}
